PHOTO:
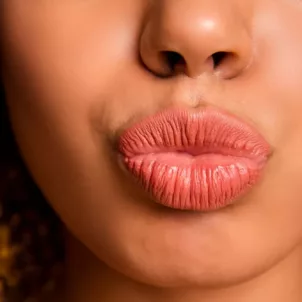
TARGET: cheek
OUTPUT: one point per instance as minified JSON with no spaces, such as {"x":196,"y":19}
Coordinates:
{"x":65,"y":53}
{"x":61,"y":58}
{"x":278,"y":91}
{"x":277,"y":80}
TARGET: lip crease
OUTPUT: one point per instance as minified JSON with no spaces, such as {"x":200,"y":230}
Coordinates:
{"x":194,"y":160}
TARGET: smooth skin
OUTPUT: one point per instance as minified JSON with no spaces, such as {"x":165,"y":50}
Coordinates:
{"x":77,"y":72}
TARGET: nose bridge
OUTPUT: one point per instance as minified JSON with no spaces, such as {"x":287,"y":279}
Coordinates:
{"x":197,"y":30}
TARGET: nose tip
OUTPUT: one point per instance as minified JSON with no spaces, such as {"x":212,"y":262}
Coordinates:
{"x":194,"y":37}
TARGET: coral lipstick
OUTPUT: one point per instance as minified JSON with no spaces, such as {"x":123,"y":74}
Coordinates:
{"x":194,"y":160}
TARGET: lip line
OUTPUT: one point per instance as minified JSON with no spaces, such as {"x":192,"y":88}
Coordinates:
{"x":230,"y":152}
{"x":208,"y":159}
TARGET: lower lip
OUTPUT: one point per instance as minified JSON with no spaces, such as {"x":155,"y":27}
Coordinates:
{"x":199,"y":183}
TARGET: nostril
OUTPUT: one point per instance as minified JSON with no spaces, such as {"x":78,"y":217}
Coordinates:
{"x":173,"y":60}
{"x":218,"y":58}
{"x":173,"y":63}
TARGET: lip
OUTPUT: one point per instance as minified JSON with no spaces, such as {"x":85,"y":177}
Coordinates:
{"x":199,"y":160}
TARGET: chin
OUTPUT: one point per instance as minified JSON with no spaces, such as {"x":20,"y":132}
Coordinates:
{"x":188,"y":275}
{"x":169,"y":266}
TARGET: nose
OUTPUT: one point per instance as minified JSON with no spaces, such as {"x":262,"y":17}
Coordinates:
{"x":193,"y":37}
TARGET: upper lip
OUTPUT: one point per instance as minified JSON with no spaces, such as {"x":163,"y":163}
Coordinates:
{"x":194,"y":132}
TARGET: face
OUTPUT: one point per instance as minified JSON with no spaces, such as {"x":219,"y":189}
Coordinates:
{"x":78,"y":73}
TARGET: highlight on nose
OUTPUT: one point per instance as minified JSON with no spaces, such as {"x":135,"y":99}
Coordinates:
{"x":195,"y":37}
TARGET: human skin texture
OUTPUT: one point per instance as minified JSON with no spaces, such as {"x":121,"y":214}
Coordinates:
{"x":78,"y":73}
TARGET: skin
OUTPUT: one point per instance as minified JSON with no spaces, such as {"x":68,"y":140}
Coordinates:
{"x":77,"y":72}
